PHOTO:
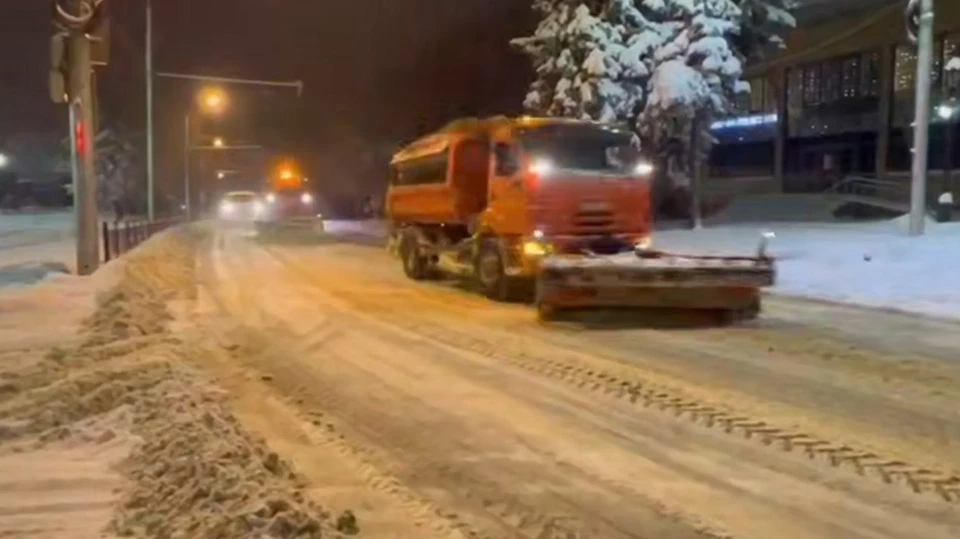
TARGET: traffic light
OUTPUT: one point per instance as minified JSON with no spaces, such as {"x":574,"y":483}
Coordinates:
{"x":80,"y":138}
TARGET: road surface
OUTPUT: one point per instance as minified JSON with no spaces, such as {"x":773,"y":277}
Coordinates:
{"x":431,"y":412}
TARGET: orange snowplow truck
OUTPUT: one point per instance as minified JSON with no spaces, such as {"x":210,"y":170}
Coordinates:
{"x":287,"y":201}
{"x":556,"y":205}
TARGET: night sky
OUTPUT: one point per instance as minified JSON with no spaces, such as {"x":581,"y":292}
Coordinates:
{"x":374,"y":69}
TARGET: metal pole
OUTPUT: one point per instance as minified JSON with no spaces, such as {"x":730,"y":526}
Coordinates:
{"x":227,"y":80}
{"x":186,"y":165}
{"x":85,"y":177}
{"x":149,"y":75}
{"x":921,"y":131}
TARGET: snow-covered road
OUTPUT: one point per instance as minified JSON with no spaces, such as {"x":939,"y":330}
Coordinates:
{"x":450,"y":413}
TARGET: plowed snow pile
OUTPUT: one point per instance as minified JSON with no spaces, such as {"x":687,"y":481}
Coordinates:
{"x":127,"y":391}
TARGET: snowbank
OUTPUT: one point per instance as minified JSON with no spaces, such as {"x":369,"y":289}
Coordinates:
{"x":874,"y":264}
{"x":128,"y":435}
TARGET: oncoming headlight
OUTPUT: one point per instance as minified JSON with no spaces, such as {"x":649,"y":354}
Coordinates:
{"x":541,"y":166}
{"x":306,"y":198}
{"x":643,"y":168}
{"x":271,"y":198}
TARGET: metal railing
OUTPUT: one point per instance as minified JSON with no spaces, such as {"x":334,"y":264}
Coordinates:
{"x":120,"y":237}
{"x":888,"y":191}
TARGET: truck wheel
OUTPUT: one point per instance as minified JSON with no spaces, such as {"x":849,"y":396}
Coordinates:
{"x":415,"y":265}
{"x":490,"y":273}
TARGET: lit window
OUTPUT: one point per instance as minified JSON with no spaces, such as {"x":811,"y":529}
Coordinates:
{"x":850,"y":78}
{"x":795,"y":89}
{"x":811,"y":85}
{"x":870,"y":74}
{"x":951,"y":49}
{"x":905,"y":69}
{"x":831,"y":81}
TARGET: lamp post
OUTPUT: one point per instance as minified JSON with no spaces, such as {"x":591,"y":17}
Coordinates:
{"x":212,"y":101}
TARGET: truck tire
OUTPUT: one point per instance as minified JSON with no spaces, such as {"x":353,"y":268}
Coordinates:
{"x":415,"y":265}
{"x":489,"y":271}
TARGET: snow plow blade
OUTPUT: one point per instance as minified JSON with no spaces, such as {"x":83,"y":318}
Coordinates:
{"x":656,"y":280}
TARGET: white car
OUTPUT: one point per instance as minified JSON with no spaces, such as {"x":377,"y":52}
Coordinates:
{"x":240,"y":206}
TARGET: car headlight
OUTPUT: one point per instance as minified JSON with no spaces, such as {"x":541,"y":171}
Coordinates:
{"x":306,"y":198}
{"x":271,"y":198}
{"x":542,"y":167}
{"x":643,"y":168}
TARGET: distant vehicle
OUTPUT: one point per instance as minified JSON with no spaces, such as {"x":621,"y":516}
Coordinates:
{"x":240,"y":206}
{"x":288,"y":203}
{"x":556,"y":206}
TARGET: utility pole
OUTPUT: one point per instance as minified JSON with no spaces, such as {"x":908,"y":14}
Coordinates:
{"x":919,"y":18}
{"x":186,"y":165}
{"x":77,"y":19}
{"x":151,"y":208}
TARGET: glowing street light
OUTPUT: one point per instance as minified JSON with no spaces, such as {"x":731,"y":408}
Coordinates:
{"x":213,"y":100}
{"x":221,"y":175}
{"x":946,"y":111}
{"x":218,"y":142}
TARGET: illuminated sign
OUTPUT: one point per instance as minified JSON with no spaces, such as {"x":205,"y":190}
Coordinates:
{"x":745,"y":121}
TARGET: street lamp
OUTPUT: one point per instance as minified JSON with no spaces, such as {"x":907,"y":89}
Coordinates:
{"x":211,"y":101}
{"x":946,"y":111}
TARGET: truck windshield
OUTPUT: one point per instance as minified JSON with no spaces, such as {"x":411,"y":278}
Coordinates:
{"x":577,"y":147}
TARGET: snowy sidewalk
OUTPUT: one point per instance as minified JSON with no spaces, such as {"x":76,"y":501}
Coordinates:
{"x":869,"y":264}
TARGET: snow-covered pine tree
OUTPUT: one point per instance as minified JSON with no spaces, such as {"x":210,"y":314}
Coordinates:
{"x":762,"y":24}
{"x":588,"y":60}
{"x":697,"y":74}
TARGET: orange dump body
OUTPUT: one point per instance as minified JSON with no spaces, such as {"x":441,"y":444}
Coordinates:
{"x":495,"y":170}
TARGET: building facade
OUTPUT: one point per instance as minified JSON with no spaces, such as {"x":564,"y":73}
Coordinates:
{"x":839,"y":101}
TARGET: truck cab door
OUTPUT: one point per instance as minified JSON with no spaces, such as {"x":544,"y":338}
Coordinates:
{"x":506,"y":204}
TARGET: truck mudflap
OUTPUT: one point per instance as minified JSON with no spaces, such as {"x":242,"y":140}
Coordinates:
{"x":654,"y":279}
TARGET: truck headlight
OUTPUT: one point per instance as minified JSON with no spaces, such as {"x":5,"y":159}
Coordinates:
{"x":535,"y":249}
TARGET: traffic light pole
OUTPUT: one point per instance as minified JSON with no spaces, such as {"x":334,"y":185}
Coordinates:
{"x":151,"y":209}
{"x":84,"y":170}
{"x":186,"y":166}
